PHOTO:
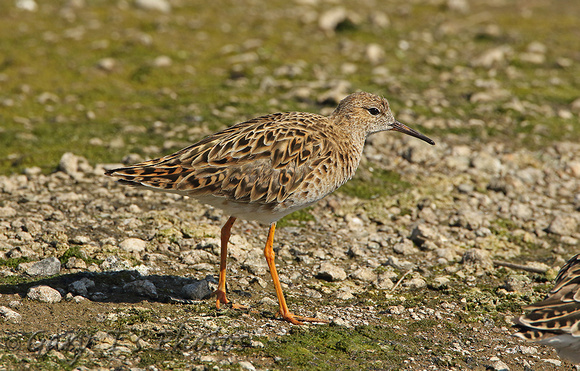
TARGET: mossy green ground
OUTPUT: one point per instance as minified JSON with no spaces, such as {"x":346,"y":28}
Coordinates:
{"x":50,"y":52}
{"x":89,"y":107}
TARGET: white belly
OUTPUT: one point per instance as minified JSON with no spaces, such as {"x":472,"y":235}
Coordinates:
{"x":257,"y":212}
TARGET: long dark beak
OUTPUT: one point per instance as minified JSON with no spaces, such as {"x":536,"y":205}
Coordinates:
{"x":402,"y":128}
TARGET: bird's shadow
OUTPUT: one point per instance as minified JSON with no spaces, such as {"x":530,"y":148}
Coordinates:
{"x":124,"y":286}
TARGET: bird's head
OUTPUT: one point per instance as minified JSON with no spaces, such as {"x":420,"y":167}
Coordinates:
{"x":373,"y":114}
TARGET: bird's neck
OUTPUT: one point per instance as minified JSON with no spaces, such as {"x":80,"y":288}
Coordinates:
{"x":355,"y":145}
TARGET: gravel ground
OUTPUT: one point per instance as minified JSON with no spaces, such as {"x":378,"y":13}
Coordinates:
{"x":137,"y":253}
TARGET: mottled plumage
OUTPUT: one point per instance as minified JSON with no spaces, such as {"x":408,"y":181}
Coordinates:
{"x":277,"y":163}
{"x":270,"y":166}
{"x":555,"y":321}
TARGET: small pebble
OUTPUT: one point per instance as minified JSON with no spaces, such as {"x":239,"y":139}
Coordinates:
{"x":330,"y":272}
{"x":45,"y":294}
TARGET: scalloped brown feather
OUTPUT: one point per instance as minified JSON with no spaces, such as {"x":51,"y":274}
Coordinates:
{"x":268,"y":160}
{"x":555,"y":320}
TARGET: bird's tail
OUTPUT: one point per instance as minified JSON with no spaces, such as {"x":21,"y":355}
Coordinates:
{"x":158,"y":177}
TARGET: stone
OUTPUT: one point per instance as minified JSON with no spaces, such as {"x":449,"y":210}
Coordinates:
{"x":32,"y":171}
{"x":19,"y":252}
{"x":330,"y":272}
{"x":255,"y":263}
{"x":375,"y":54}
{"x":142,"y":288}
{"x":460,"y":163}
{"x":448,"y":253}
{"x":415,"y":283}
{"x":521,"y":211}
{"x":533,"y":58}
{"x":364,"y":274}
{"x":133,"y":245}
{"x":491,"y":57}
{"x":208,"y":358}
{"x":47,"y":98}
{"x":465,"y":188}
{"x":528,"y":350}
{"x":162,"y":61}
{"x":575,"y":105}
{"x":487,"y":163}
{"x":440,"y":282}
{"x":197,"y":291}
{"x":331,"y":18}
{"x":113,"y":263}
{"x":466,"y":218}
{"x":461,"y":6}
{"x":15,"y":304}
{"x":81,"y":286}
{"x":574,"y":168}
{"x":157,"y":5}
{"x":497,"y":365}
{"x":396,"y":310}
{"x":517,"y":283}
{"x":197,"y":256}
{"x":268,"y":302}
{"x":422,"y":233}
{"x":552,"y":361}
{"x":405,"y":247}
{"x":400,"y":264}
{"x":256,"y":344}
{"x":477,"y":257}
{"x":46,"y":267}
{"x":418,"y":154}
{"x":245,"y":365}
{"x":28,"y":5}
{"x":345,"y":293}
{"x":338,"y":321}
{"x":10,"y":315}
{"x":564,"y":225}
{"x":107,"y":64}
{"x":75,"y":263}
{"x":499,"y":184}
{"x":380,"y":19}
{"x":80,"y":240}
{"x":384,"y":281}
{"x":536,"y":47}
{"x":69,"y":163}
{"x":7,"y":212}
{"x":45,"y":294}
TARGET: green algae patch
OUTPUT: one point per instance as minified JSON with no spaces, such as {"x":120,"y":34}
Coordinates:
{"x":381,"y":347}
{"x":296,"y":218}
{"x":13,"y":262}
{"x":331,"y":348}
{"x":75,"y":251}
{"x":373,"y":184}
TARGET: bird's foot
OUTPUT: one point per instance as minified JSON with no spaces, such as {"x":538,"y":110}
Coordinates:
{"x":221,"y":299}
{"x":299,"y":320}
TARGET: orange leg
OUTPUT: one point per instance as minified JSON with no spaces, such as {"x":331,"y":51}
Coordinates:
{"x":221,"y":290}
{"x":286,"y":314}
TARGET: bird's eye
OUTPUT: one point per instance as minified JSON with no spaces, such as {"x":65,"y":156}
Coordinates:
{"x":373,"y":111}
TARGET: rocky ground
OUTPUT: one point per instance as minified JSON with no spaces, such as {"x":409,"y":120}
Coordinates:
{"x":109,"y":261}
{"x":418,"y":263}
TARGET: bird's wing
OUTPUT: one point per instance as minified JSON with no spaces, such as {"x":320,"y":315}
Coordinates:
{"x":263,"y":160}
{"x":560,"y":311}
